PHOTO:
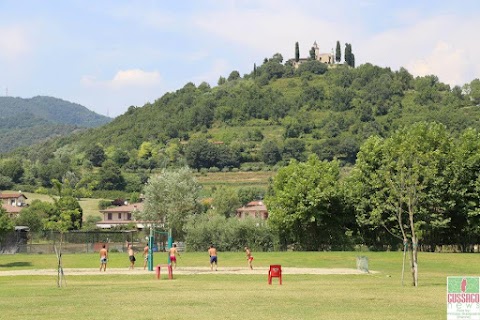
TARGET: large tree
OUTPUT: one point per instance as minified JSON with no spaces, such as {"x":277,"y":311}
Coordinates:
{"x":225,"y":201}
{"x":33,"y":215}
{"x":96,"y":155}
{"x":473,"y":91}
{"x":305,"y":204}
{"x":270,"y":152}
{"x":110,"y":177}
{"x":63,"y":215}
{"x":12,"y":168}
{"x":170,"y":197}
{"x":400,"y":184}
{"x":464,"y":192}
{"x":234,"y":75}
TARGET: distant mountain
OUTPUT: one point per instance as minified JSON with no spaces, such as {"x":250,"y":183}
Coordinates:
{"x":24,"y":122}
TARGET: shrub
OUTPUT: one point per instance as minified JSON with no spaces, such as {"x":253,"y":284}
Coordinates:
{"x":42,"y":190}
{"x":228,"y":234}
{"x":104,"y":204}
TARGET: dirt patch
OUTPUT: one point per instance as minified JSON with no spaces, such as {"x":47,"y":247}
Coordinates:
{"x":179,"y":270}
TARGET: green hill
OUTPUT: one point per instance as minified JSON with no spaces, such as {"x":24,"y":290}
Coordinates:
{"x":259,"y":121}
{"x":24,"y":122}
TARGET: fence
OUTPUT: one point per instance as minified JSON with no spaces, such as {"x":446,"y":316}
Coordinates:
{"x":72,"y":242}
{"x":45,"y":242}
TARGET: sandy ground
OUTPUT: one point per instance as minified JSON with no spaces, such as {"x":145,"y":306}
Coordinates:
{"x":179,"y":270}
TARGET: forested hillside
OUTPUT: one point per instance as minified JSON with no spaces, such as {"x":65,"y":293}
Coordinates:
{"x":24,"y":122}
{"x":259,"y":121}
{"x":361,"y":155}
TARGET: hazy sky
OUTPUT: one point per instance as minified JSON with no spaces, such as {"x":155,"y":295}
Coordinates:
{"x":110,"y":54}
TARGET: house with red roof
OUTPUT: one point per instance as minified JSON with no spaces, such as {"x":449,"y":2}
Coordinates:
{"x":255,"y":209}
{"x":13,"y":202}
{"x":121,"y":215}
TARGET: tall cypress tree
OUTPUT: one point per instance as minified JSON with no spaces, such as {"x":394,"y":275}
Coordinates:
{"x":338,"y":53}
{"x":348,"y":54}
{"x":312,"y":54}
{"x":345,"y":54}
{"x":297,"y":52}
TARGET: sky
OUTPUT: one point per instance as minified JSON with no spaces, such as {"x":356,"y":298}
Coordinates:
{"x":108,"y":55}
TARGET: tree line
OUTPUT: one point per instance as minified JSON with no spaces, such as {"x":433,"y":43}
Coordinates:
{"x":418,"y":187}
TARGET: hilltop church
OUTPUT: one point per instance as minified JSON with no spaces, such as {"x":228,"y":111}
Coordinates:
{"x":327,"y":58}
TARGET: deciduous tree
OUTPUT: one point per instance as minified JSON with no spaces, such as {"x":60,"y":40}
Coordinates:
{"x":401,"y":184}
{"x":305,"y":204}
{"x":170,"y":197}
{"x":96,"y":155}
{"x":225,"y":202}
{"x":6,"y":224}
{"x":234,"y":75}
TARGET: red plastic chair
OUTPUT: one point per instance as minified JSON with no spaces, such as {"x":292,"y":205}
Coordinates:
{"x":169,"y":268}
{"x":275,"y":272}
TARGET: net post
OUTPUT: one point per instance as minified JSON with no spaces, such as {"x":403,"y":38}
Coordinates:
{"x":150,"y":250}
{"x":170,"y":243}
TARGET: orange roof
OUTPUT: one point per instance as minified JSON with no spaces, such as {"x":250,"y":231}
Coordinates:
{"x":12,"y":195}
{"x":125,"y":208}
{"x":253,"y":206}
{"x":11,"y":209}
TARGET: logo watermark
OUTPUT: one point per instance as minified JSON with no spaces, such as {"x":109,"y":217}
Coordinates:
{"x":463,"y":298}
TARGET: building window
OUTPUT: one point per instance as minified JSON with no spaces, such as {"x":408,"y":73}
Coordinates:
{"x":129,"y":216}
{"x":119,"y":217}
{"x":109,"y":216}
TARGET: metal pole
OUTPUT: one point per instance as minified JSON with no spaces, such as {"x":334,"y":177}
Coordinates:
{"x":170,"y":243}
{"x":150,"y":250}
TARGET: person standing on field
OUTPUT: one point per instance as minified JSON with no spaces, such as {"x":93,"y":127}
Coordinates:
{"x":212,"y":252}
{"x":103,"y":258}
{"x":145,"y":256}
{"x":173,"y":252}
{"x":249,"y":257}
{"x":131,"y":256}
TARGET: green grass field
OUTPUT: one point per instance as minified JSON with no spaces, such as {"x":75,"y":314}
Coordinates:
{"x":89,"y":205}
{"x":204,"y":296}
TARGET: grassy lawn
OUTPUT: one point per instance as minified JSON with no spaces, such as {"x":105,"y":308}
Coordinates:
{"x":203,"y":296}
{"x":89,"y":206}
{"x":245,"y":179}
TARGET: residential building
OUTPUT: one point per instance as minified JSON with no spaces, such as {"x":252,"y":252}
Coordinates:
{"x":13,"y":202}
{"x":255,"y":209}
{"x":121,"y":215}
